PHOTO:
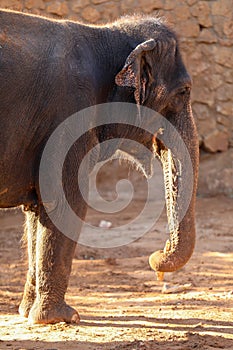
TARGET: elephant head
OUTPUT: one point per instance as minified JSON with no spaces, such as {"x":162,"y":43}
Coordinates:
{"x":154,"y":76}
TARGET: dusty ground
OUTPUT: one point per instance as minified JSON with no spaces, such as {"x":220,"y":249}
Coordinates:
{"x":118,"y":297}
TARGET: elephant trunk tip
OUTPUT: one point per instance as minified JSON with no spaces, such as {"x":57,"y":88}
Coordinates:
{"x":166,"y":260}
{"x":160,"y":262}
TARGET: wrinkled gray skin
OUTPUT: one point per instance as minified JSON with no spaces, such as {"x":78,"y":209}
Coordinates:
{"x":52,"y":69}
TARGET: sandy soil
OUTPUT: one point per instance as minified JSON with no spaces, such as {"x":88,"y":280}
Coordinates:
{"x":118,"y":297}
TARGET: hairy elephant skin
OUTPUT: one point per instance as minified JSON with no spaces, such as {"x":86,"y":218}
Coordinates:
{"x":51,"y":69}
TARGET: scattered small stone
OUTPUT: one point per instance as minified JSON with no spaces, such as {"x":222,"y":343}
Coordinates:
{"x":105,"y":224}
{"x":177,"y":288}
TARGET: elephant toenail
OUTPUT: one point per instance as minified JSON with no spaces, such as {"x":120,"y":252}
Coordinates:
{"x":75,"y":318}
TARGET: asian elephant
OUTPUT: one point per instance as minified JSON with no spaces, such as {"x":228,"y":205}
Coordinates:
{"x":51,"y":69}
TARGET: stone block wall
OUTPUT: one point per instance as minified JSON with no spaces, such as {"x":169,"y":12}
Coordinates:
{"x":206,"y":33}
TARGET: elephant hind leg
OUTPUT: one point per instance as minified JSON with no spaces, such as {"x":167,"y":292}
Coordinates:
{"x":30,"y":237}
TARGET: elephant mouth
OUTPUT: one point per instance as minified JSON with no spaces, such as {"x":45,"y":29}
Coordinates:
{"x":142,"y":154}
{"x":142,"y":159}
{"x":145,"y":160}
{"x":145,"y":165}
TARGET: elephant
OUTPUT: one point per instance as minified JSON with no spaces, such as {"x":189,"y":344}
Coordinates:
{"x":51,"y":69}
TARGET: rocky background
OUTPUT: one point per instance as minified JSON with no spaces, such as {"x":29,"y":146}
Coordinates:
{"x":206,"y":33}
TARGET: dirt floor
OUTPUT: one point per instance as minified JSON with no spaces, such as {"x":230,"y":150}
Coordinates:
{"x":119,"y":300}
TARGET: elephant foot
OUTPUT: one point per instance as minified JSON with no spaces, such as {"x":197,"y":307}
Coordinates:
{"x":45,"y":314}
{"x":27,"y":301}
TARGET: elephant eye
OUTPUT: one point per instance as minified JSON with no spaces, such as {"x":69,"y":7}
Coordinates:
{"x":177,"y":101}
{"x":184,"y":91}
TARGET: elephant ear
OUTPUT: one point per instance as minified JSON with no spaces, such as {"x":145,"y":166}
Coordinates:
{"x":136,"y":72}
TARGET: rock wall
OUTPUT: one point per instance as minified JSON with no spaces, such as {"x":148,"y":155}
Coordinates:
{"x":206,"y":32}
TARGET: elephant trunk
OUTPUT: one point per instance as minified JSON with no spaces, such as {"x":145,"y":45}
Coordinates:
{"x":180,"y":177}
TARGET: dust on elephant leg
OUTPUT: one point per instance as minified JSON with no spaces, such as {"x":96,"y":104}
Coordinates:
{"x":54,"y":254}
{"x":30,"y":285}
{"x":41,"y":313}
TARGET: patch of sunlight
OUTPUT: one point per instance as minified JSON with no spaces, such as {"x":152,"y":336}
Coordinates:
{"x":226,"y":256}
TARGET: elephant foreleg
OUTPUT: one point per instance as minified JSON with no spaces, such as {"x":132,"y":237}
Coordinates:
{"x":54,"y":253}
